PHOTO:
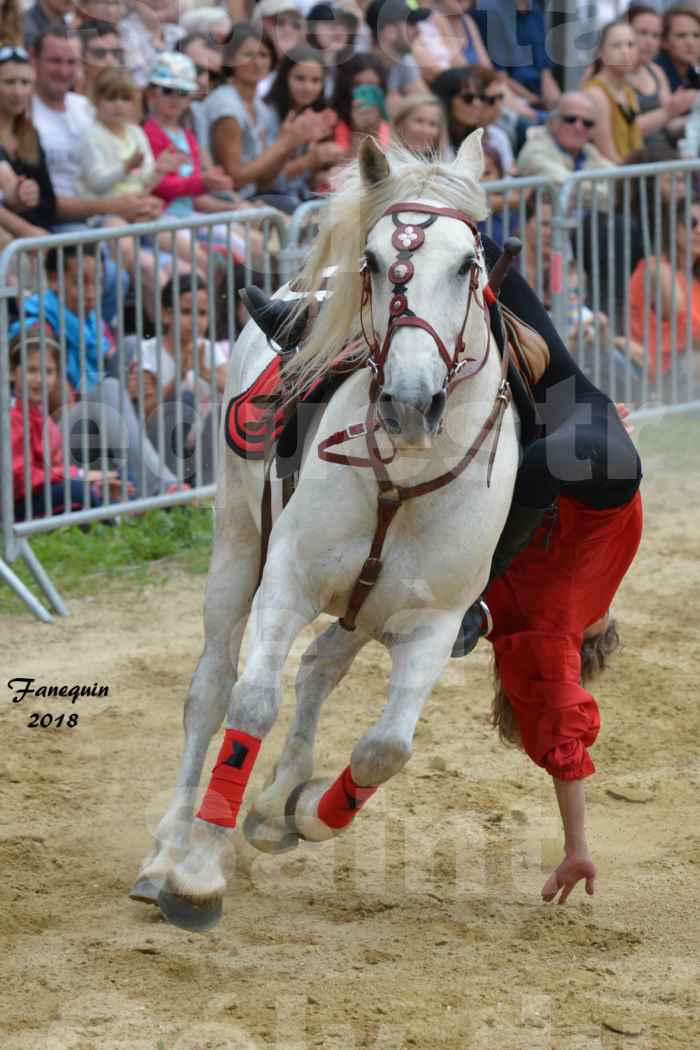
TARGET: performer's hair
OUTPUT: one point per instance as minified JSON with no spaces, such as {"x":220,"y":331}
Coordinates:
{"x":595,"y":654}
{"x":597,"y":650}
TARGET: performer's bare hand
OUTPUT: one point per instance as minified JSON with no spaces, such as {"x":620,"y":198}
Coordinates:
{"x":572,"y":869}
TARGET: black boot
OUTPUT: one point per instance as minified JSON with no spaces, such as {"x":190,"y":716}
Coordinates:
{"x":273,"y":316}
{"x":521,"y":525}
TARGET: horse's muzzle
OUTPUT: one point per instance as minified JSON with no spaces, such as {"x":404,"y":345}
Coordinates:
{"x":412,"y":422}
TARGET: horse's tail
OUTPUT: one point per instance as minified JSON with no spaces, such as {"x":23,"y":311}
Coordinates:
{"x":595,"y":654}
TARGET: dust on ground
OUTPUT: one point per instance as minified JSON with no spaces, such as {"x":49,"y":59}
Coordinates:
{"x":421,"y":926}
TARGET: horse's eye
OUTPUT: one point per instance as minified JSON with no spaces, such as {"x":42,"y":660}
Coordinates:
{"x":466,"y":266}
{"x":372,"y":264}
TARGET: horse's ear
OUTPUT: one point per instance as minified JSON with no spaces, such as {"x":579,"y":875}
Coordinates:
{"x":374,"y":167}
{"x":470,"y":158}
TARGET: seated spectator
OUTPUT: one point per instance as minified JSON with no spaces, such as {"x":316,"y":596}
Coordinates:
{"x":282,"y":21}
{"x":206,"y":57}
{"x":394,"y":28}
{"x":537,"y":245}
{"x":211,"y":22}
{"x":679,"y":56}
{"x":493,"y":95}
{"x":617,"y":131}
{"x":359,"y":102}
{"x":101,"y":48}
{"x":29,"y":205}
{"x":419,"y":123}
{"x":331,"y":33}
{"x":200,"y":383}
{"x":171,"y":89}
{"x":149,"y":28}
{"x":191,"y":188}
{"x":298,"y":88}
{"x":41,"y":16}
{"x":241,"y":128}
{"x":459,"y":91}
{"x":503,"y":219}
{"x":62,"y":118}
{"x":661,"y":113}
{"x":115,"y":156}
{"x":11,"y":33}
{"x":90,"y":354}
{"x":34,"y":428}
{"x":563,"y":145}
{"x":519,"y":47}
{"x":680,"y":304}
{"x":448,"y":37}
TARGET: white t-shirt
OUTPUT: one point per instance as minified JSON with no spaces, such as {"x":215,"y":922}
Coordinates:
{"x":218,"y":352}
{"x":61,"y":132}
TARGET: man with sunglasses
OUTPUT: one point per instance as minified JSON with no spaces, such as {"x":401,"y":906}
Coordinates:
{"x":563,"y":145}
{"x":100,"y":47}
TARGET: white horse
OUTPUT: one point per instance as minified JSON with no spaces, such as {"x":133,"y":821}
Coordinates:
{"x":438,"y":548}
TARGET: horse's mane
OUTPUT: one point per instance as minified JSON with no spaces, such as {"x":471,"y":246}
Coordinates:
{"x":351,"y":213}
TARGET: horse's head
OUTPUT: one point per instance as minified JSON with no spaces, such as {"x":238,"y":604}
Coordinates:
{"x":423,"y":287}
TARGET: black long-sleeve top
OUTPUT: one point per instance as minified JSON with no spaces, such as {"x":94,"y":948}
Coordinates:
{"x":44,"y":214}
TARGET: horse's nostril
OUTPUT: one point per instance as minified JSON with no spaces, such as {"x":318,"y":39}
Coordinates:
{"x":389,"y":414}
{"x":437,"y":407}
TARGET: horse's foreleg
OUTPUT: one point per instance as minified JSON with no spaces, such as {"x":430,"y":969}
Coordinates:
{"x":322,"y":808}
{"x":194,"y":888}
{"x":323,"y":665}
{"x":232,"y":579}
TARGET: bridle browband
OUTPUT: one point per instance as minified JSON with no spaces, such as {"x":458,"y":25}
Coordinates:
{"x":407,"y":239}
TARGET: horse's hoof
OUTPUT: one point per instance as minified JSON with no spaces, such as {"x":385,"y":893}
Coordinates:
{"x":197,"y":918}
{"x":268,"y":839}
{"x":146,"y":891}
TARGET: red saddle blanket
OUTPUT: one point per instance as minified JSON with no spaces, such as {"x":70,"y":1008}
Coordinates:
{"x":247,"y":417}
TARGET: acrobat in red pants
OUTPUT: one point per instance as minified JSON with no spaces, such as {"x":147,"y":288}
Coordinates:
{"x":554,"y":591}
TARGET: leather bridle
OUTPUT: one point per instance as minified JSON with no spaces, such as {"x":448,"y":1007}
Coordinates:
{"x":408,"y":238}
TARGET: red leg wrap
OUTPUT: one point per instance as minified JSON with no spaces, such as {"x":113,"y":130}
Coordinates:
{"x":343,"y":801}
{"x":229,"y":778}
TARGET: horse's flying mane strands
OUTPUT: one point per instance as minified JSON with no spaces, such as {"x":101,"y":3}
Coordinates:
{"x":347,"y":220}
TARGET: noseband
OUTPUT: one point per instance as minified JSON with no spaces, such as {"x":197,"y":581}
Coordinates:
{"x":407,"y":239}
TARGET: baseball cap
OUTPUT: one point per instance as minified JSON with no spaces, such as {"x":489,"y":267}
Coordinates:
{"x":380,"y":13}
{"x":324,"y":12}
{"x":174,"y":70}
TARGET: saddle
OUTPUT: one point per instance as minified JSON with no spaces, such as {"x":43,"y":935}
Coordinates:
{"x":258,"y":420}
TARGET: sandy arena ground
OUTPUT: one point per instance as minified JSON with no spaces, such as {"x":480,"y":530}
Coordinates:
{"x":421,"y":926}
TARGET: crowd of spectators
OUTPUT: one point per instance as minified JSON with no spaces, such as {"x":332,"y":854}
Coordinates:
{"x":114,"y":112}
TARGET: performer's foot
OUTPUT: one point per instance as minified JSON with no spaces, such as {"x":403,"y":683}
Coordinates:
{"x":476,"y":623}
{"x":273,"y":317}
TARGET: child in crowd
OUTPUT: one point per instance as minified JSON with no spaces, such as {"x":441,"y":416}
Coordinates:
{"x":115,"y":156}
{"x":419,"y":123}
{"x":298,"y":88}
{"x":196,"y":377}
{"x":359,"y":102}
{"x":189,"y":190}
{"x":36,"y":400}
{"x":92,"y":365}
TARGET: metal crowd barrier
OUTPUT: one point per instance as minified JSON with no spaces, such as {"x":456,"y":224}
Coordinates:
{"x":604,"y":301}
{"x":131,"y":421}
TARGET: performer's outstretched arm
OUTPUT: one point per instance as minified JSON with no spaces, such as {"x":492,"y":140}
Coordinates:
{"x":578,"y":863}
